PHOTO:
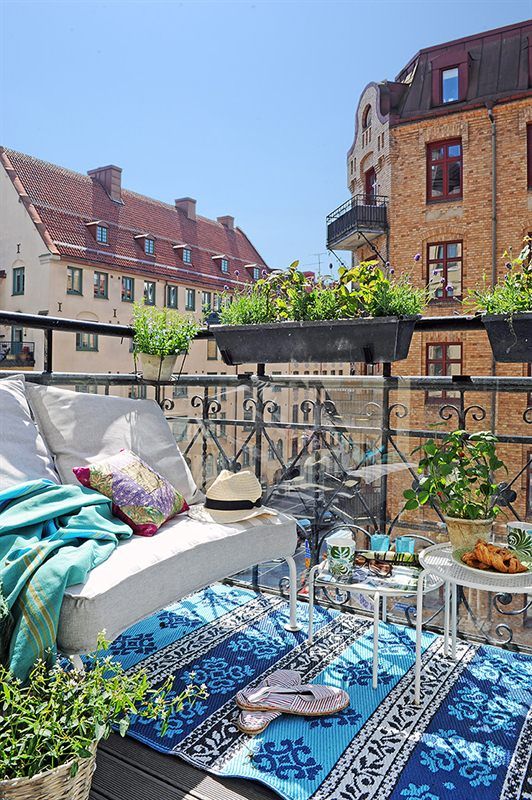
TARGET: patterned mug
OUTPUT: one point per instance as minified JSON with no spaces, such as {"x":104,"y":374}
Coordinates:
{"x":519,"y":536}
{"x":341,"y":555}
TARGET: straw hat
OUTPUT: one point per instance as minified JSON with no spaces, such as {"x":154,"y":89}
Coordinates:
{"x":231,"y":497}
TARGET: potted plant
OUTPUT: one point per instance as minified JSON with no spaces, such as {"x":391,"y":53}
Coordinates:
{"x":364,"y":315}
{"x":457,"y":478}
{"x":161,"y":334}
{"x":507,"y":308}
{"x":50,"y":726}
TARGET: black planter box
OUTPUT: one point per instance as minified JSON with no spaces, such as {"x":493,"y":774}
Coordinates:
{"x":371,"y":340}
{"x":510,"y":337}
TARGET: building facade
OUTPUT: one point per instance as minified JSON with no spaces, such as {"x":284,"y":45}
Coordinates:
{"x":440,"y":176}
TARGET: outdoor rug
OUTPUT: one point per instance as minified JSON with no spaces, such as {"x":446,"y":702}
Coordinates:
{"x":470,"y":738}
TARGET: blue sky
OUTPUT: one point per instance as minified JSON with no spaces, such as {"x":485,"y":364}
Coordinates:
{"x":246,"y":106}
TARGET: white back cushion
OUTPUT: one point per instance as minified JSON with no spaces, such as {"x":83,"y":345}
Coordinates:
{"x":80,"y":428}
{"x":23,"y":453}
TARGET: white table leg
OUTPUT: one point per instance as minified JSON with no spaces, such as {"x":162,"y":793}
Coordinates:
{"x":384,"y":608}
{"x":293,"y":624}
{"x":446,"y":618}
{"x":419,"y":633}
{"x":376,"y":610}
{"x":454,"y":615}
{"x":311,"y":604}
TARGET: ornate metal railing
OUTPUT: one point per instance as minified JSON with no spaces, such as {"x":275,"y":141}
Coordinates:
{"x":336,"y":450}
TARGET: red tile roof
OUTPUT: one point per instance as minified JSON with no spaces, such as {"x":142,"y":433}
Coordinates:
{"x":62,"y":202}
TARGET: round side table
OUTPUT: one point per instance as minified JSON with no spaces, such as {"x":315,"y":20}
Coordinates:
{"x":438,"y":561}
{"x":421,"y":583}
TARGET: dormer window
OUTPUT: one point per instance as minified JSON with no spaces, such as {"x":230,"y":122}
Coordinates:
{"x":187,"y":255}
{"x":366,"y":117}
{"x":149,"y":246}
{"x":102,"y":234}
{"x":224,"y":265}
{"x":256,"y":273}
{"x":449,"y":85}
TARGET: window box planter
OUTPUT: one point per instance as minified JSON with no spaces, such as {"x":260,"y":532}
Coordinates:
{"x":371,"y":340}
{"x":510,"y":336}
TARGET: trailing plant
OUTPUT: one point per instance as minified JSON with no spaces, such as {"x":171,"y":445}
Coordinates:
{"x":365,"y":290}
{"x":513,"y":292}
{"x":59,"y":714}
{"x":457,"y":476}
{"x":162,"y":331}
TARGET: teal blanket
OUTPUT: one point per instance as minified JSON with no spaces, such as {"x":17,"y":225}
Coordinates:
{"x":50,"y":538}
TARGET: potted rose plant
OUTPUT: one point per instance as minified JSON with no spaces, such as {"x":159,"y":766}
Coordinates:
{"x":366,"y":314}
{"x":507,"y":308}
{"x":161,"y":334}
{"x":457,"y":478}
{"x":51,"y":725}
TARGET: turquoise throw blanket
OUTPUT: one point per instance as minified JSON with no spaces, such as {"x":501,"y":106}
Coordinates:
{"x":50,"y":537}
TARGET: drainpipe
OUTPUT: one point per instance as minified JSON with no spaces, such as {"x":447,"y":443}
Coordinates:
{"x":489,"y":106}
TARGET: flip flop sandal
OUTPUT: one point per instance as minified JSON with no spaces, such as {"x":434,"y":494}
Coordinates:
{"x":255,"y":722}
{"x":307,"y":700}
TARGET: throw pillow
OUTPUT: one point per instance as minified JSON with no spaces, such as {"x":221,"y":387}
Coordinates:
{"x":140,"y":496}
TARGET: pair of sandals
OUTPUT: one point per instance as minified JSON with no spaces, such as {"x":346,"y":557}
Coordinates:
{"x":283,"y":693}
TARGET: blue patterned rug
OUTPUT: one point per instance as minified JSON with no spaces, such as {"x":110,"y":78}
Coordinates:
{"x":471,"y":737}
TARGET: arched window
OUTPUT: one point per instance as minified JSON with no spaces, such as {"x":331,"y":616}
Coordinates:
{"x":366,"y":117}
{"x":280,"y":448}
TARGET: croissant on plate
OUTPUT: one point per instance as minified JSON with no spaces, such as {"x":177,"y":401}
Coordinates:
{"x":489,"y":556}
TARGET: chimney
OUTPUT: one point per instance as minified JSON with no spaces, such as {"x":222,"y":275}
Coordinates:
{"x":227,"y":221}
{"x":110,"y":178}
{"x":187,"y":205}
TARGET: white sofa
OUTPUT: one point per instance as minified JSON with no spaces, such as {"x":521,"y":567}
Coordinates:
{"x":47,"y":430}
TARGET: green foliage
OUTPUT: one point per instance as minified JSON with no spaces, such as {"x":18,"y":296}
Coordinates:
{"x":457,"y":475}
{"x":511,"y":294}
{"x":364,"y":290}
{"x":162,"y":331}
{"x":58,"y":715}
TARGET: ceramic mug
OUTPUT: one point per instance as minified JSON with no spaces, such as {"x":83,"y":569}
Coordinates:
{"x":519,"y":536}
{"x":341,"y":555}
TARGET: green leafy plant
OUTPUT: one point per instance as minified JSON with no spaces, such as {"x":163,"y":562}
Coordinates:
{"x":59,"y":714}
{"x":512,"y":293}
{"x":162,"y":331}
{"x":457,"y":476}
{"x":365,"y":290}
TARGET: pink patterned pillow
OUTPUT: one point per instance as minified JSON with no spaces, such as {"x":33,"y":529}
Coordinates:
{"x":141,"y":497}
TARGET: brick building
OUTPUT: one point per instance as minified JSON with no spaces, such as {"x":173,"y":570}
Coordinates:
{"x":441,"y":166}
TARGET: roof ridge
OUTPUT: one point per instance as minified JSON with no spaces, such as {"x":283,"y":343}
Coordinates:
{"x":55,"y":167}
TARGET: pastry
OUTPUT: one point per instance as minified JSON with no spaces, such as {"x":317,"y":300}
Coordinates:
{"x":489,"y":556}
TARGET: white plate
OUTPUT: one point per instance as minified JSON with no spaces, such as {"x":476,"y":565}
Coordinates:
{"x":524,"y":558}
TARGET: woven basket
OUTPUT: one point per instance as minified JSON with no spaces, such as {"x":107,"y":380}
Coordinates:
{"x":56,"y":784}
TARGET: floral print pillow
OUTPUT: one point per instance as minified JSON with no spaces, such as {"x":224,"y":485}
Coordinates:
{"x":140,"y":496}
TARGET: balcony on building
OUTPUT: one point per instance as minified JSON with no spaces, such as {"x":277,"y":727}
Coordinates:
{"x":360,"y":219}
{"x":19,"y":355}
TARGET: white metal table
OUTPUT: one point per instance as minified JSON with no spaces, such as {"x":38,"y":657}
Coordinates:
{"x":378,"y":588}
{"x":438,"y":561}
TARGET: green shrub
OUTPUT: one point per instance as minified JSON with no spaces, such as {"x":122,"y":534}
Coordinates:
{"x":59,"y":714}
{"x":365,"y":290}
{"x":162,"y":331}
{"x":512,"y":293}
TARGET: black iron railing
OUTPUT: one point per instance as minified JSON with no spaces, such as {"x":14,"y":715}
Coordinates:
{"x":337,"y":449}
{"x":361,"y":213}
{"x":17,"y":354}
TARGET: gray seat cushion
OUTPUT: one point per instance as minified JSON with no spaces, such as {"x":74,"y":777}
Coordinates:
{"x":144,"y":575}
{"x":23,"y":453}
{"x":80,"y":428}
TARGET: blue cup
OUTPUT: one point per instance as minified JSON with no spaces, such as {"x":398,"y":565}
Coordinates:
{"x":405,"y":544}
{"x":379,"y":542}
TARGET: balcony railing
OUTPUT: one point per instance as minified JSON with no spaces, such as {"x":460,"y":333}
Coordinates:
{"x":361,"y":214}
{"x":337,"y":450}
{"x":17,"y":354}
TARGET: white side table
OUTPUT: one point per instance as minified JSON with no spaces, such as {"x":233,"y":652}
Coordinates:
{"x":377,"y":588}
{"x":437,"y":560}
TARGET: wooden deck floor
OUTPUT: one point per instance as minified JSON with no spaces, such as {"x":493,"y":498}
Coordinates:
{"x":128,"y":770}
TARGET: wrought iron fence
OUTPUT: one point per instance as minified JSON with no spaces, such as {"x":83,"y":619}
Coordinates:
{"x":336,"y":450}
{"x":367,"y":212}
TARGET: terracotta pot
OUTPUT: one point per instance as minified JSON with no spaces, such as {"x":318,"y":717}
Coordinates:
{"x":465,"y":532}
{"x":155,"y":368}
